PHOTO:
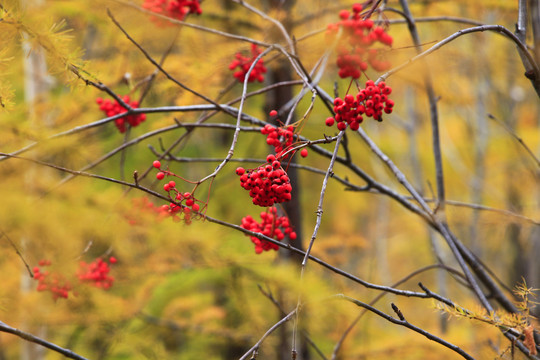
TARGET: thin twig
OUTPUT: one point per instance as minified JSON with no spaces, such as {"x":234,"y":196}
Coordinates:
{"x":36,"y":340}
{"x":255,"y":347}
{"x":272,"y":20}
{"x":341,"y":340}
{"x":319,"y":213}
{"x":515,"y":136}
{"x":408,"y":325}
{"x":230,"y":153}
{"x":493,"y":28}
{"x":194,"y":26}
{"x":3,"y":233}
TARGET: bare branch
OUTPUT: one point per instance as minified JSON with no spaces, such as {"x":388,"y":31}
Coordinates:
{"x":36,"y":340}
{"x":408,"y":325}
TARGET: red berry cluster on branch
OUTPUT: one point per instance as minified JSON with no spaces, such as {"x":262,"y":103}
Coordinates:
{"x":268,"y":184}
{"x":183,"y":204}
{"x":111,"y":108}
{"x":97,"y":273}
{"x":370,"y":101}
{"x":244,"y":63}
{"x":176,"y":9}
{"x":353,"y":49}
{"x":53,"y":282}
{"x":271,"y":225}
{"x":279,"y":138}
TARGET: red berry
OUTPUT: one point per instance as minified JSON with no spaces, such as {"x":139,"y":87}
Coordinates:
{"x":303,"y":152}
{"x":240,"y":171}
{"x":329,"y":121}
{"x":172,"y":184}
{"x":112,"y":260}
{"x":156,"y":164}
{"x":273,"y":113}
{"x":344,"y":14}
{"x":160,"y":175}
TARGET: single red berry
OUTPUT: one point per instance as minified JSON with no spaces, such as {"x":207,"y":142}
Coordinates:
{"x":113,"y":260}
{"x":273,"y":113}
{"x":160,"y":175}
{"x":156,"y":164}
{"x":344,"y":14}
{"x":195,"y":207}
{"x":329,"y":121}
{"x":240,"y":171}
{"x":172,"y":184}
{"x":303,"y":152}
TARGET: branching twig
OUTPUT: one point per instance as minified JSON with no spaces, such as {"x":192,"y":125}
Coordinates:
{"x":255,"y":347}
{"x":401,"y":321}
{"x":494,"y":28}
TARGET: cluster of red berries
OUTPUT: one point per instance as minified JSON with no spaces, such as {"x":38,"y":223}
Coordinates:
{"x":280,"y":138}
{"x":268,"y":184}
{"x":371,"y":102}
{"x":53,"y":282}
{"x":111,"y":108}
{"x":97,"y":273}
{"x":176,"y":9}
{"x":358,"y":35}
{"x":182,"y":203}
{"x":271,"y":225}
{"x":244,"y":63}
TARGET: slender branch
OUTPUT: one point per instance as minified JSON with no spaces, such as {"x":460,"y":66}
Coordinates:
{"x":398,"y":174}
{"x":401,"y":321}
{"x":265,"y":16}
{"x":158,"y":66}
{"x":522,"y":48}
{"x":319,"y":211}
{"x":194,"y":26}
{"x":3,"y":234}
{"x":230,"y":153}
{"x":515,"y":136}
{"x":434,"y":114}
{"x":341,"y":340}
{"x":255,"y":347}
{"x":36,"y":340}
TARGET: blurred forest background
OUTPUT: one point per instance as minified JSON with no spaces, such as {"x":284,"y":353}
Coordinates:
{"x":198,"y":290}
